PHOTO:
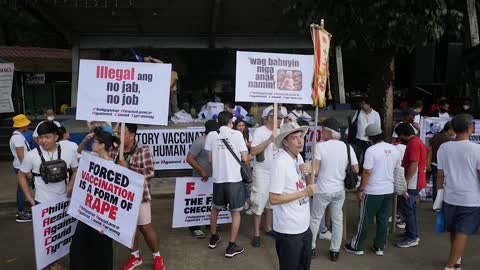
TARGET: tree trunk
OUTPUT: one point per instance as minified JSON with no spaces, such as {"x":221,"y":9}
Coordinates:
{"x":381,"y":93}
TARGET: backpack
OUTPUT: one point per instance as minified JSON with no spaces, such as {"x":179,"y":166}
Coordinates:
{"x":53,"y":171}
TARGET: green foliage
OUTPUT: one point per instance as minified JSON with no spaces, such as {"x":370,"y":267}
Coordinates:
{"x":384,"y":24}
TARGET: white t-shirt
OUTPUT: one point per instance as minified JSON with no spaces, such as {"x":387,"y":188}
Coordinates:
{"x":292,"y":217}
{"x":443,"y":115}
{"x":333,"y":162}
{"x":364,"y":120}
{"x":71,"y":145}
{"x":225,"y":168}
{"x":18,"y":140}
{"x":31,"y":163}
{"x":416,"y":119}
{"x":261,"y":135}
{"x":381,"y":158}
{"x":460,"y":161}
{"x":35,"y":133}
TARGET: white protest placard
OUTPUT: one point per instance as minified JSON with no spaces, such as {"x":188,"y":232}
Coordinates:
{"x":274,"y":78}
{"x":193,"y":203}
{"x":53,"y":231}
{"x":309,"y":138}
{"x":107,"y":198}
{"x":6,"y":81}
{"x":129,"y":92}
{"x":433,"y":125}
{"x":169,"y":147}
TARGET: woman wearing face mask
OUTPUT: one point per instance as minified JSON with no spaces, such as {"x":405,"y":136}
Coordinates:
{"x":88,"y":242}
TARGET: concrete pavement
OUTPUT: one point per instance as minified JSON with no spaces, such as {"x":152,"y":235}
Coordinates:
{"x":181,"y":251}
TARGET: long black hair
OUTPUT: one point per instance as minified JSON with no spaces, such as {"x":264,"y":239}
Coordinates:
{"x":106,"y":138}
{"x":246,"y":132}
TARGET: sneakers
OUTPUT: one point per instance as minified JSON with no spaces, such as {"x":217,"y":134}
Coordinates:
{"x":256,"y":243}
{"x":249,"y":212}
{"x":133,"y":262}
{"x":325,"y":235}
{"x":314,"y":253}
{"x":401,"y":225}
{"x":233,"y":250}
{"x":406,"y":243}
{"x":23,"y":217}
{"x":378,"y":251}
{"x":158,"y":263}
{"x":348,"y":247}
{"x":214,"y":240}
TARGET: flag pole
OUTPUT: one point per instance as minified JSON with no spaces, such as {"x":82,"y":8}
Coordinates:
{"x":275,"y":119}
{"x":315,"y":127}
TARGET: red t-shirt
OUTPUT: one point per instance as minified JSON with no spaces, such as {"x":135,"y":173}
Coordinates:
{"x":417,"y":151}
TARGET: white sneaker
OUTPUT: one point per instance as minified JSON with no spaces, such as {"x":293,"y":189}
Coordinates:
{"x":325,"y":236}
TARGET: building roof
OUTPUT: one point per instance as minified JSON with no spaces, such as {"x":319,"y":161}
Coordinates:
{"x":174,"y":23}
{"x":31,"y":59}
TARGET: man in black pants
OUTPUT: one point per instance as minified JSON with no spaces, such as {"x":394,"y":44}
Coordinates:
{"x":290,"y":198}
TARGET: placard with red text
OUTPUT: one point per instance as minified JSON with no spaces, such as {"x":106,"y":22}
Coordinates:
{"x":107,"y":198}
{"x":53,"y":231}
{"x":129,"y":92}
{"x":193,"y":203}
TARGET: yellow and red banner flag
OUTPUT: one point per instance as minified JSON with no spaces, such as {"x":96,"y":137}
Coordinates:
{"x":321,"y":45}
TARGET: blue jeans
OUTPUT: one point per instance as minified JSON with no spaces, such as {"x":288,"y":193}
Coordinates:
{"x":434,"y":182}
{"x":409,"y":212}
{"x":21,"y":195}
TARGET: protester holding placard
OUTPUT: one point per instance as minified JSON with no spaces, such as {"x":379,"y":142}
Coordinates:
{"x":139,"y":159}
{"x":228,"y":189}
{"x":197,"y":157}
{"x":48,"y":163}
{"x":289,"y":195}
{"x":88,"y":242}
{"x":47,"y":189}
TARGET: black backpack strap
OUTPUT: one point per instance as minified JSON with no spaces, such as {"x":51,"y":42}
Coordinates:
{"x":231,"y":151}
{"x":41,"y":155}
{"x":356,"y":118}
{"x":348,"y":154}
{"x":59,"y":153}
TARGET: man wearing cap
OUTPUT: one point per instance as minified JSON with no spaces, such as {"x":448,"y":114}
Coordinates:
{"x":290,"y":197}
{"x":375,"y":192}
{"x":331,"y":159}
{"x":19,"y":148}
{"x":262,"y":148}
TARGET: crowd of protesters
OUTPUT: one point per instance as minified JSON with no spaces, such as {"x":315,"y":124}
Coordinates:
{"x":283,"y":190}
